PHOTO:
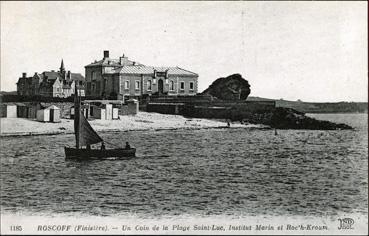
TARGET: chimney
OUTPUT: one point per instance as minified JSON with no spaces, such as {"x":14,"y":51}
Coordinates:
{"x":69,"y":75}
{"x":106,"y":54}
{"x":24,"y":74}
{"x":123,"y":60}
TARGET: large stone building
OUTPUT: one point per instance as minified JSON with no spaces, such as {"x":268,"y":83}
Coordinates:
{"x":118,"y":78}
{"x":51,"y":83}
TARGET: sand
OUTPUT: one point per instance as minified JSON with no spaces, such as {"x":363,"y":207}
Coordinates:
{"x":141,"y":121}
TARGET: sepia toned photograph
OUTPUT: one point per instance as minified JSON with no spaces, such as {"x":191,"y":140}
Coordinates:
{"x":190,"y":118}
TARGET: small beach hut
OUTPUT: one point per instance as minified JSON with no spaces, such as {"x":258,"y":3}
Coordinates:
{"x":109,"y":111}
{"x":43,"y":115}
{"x":22,"y":110}
{"x":132,"y":106}
{"x":54,"y":113}
{"x":32,"y":110}
{"x":72,"y":112}
{"x":102,"y":111}
{"x":8,"y":110}
{"x":27,"y":110}
{"x":50,"y":114}
{"x":115,"y":113}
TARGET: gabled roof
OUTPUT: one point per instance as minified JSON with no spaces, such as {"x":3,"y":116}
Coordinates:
{"x":21,"y":80}
{"x":141,"y":69}
{"x":40,"y":76}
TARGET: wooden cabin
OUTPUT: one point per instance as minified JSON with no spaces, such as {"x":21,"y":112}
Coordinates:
{"x":50,"y":114}
{"x":8,"y":110}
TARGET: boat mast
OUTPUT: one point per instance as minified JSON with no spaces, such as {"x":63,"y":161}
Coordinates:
{"x":77,"y":114}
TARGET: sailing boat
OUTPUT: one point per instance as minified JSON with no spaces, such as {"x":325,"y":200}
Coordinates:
{"x":85,"y":136}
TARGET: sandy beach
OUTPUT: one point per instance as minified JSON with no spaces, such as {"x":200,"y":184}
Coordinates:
{"x":141,"y":121}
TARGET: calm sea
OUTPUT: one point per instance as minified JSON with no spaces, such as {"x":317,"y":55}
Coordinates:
{"x":201,"y":172}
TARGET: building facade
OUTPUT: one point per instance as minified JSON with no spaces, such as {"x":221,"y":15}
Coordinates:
{"x":117,"y":78}
{"x":51,"y":83}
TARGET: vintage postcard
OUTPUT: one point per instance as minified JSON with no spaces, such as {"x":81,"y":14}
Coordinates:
{"x":174,"y":117}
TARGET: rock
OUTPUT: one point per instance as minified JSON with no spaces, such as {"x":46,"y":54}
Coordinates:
{"x":233,"y":87}
{"x":288,"y":118}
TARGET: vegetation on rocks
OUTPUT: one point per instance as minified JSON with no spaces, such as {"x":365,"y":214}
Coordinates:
{"x":232,"y":87}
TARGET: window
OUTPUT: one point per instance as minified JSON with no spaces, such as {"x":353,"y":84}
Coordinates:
{"x":182,"y":85}
{"x":88,"y":87}
{"x":191,"y":85}
{"x":98,"y":86}
{"x":93,"y":75}
{"x":171,"y":87}
{"x":126,"y":84}
{"x":149,"y":85}
{"x":137,"y":85}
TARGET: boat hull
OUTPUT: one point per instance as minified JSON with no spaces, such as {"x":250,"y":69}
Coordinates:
{"x":86,"y":154}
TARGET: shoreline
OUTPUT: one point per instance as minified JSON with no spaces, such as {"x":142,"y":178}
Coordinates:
{"x":21,"y":134}
{"x":143,"y":121}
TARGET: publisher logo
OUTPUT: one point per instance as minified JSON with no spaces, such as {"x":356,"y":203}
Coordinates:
{"x":346,"y":223}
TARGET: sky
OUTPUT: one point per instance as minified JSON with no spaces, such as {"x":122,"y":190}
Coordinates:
{"x":312,"y":51}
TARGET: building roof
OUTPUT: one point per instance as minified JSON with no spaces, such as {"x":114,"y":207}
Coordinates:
{"x":8,"y":104}
{"x":52,"y":75}
{"x":104,"y":101}
{"x":112,"y":62}
{"x":77,"y":76}
{"x":125,"y":66}
{"x":141,"y":69}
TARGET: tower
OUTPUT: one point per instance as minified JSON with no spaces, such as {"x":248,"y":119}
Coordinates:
{"x":62,"y":69}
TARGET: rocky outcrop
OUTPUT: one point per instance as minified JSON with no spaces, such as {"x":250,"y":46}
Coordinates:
{"x":233,"y":87}
{"x":287,"y":118}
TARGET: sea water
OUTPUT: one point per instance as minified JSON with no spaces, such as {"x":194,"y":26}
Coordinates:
{"x":212,"y":172}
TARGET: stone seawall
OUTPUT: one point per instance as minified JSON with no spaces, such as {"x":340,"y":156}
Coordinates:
{"x":218,"y":109}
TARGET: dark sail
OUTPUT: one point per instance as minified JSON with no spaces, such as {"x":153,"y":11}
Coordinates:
{"x":85,"y":134}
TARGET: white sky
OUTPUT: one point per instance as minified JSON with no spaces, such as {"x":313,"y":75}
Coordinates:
{"x":313,"y":51}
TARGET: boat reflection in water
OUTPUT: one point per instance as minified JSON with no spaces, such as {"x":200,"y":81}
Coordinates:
{"x":86,"y":136}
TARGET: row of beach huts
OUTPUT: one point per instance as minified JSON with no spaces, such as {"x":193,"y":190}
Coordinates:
{"x":92,"y":109}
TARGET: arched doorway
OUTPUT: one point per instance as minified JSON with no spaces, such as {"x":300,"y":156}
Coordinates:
{"x":160,"y":86}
